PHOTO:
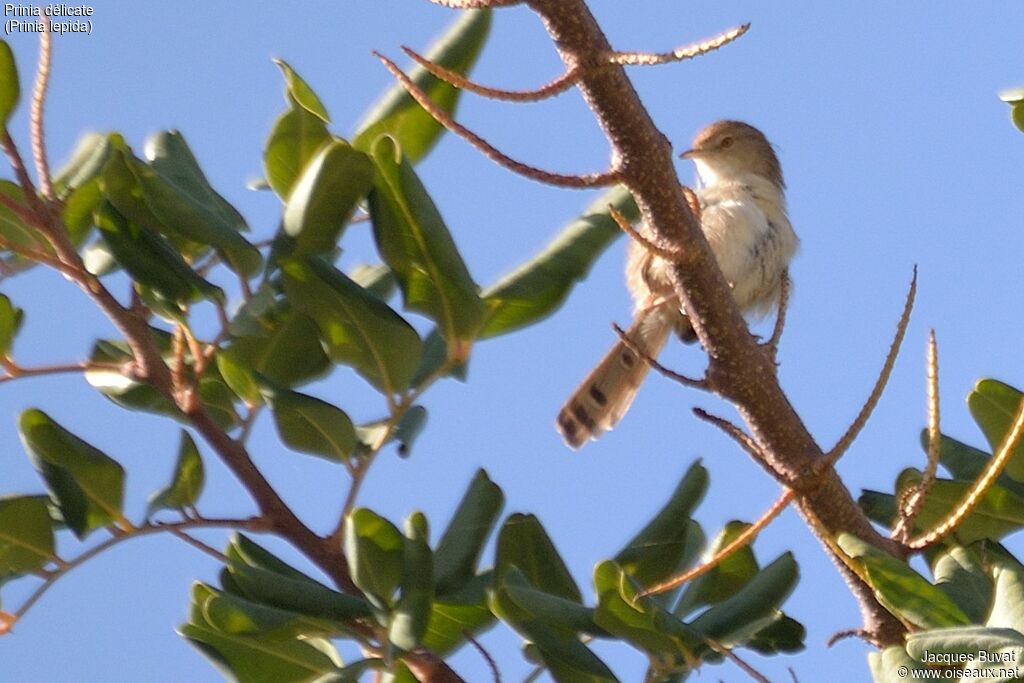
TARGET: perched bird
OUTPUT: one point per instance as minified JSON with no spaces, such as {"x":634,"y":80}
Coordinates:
{"x":743,"y":216}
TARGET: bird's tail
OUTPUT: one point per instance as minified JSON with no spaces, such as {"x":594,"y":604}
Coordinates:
{"x":606,"y":394}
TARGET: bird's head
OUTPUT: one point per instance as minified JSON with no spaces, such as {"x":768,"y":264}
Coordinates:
{"x":729,"y":149}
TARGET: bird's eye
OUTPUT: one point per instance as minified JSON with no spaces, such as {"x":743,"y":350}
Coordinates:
{"x":726,"y":142}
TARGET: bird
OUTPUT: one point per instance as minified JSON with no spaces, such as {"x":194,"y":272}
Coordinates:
{"x":742,"y":209}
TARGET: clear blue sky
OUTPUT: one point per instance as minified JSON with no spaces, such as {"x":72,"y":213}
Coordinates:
{"x":896,"y":150}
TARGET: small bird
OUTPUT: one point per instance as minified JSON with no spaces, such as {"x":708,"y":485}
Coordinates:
{"x":742,"y":203}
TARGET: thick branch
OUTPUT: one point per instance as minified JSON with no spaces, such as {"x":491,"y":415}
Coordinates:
{"x":738,"y":368}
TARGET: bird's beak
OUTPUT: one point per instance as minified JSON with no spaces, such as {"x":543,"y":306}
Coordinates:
{"x":689,"y":154}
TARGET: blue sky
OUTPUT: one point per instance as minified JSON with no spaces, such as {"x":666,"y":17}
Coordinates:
{"x":896,"y":150}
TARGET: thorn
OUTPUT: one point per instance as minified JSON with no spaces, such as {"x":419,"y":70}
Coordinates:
{"x":680,"y":53}
{"x":646,"y":357}
{"x":550,"y":89}
{"x":745,"y":441}
{"x":588,"y":180}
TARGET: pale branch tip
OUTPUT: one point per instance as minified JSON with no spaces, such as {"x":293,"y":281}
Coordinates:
{"x":883,"y":378}
{"x":549,"y":89}
{"x":36,"y":111}
{"x":653,"y":363}
{"x":603,"y":179}
{"x":745,"y":441}
{"x":679,"y":54}
{"x":647,"y":243}
{"x":980,"y":487}
{"x":745,"y":538}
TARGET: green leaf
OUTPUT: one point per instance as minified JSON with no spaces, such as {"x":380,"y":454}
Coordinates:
{"x":463,"y":540}
{"x":79,"y":206}
{"x":151,"y":260}
{"x":890,"y":665}
{"x":966,"y":463}
{"x":726,"y":578}
{"x":657,"y":552}
{"x":232,"y":614}
{"x":86,"y":484}
{"x":375,"y":550}
{"x":295,"y":138}
{"x":900,"y":589}
{"x":300,"y":93}
{"x":11,"y":318}
{"x":994,"y":405}
{"x":357,"y":328}
{"x":84,"y":166}
{"x":323,"y":200}
{"x":537,"y":288}
{"x":786,"y":634}
{"x":310,"y":425}
{"x":1008,"y":592}
{"x":398,"y":115}
{"x":734,"y":621}
{"x":377,"y":279}
{"x":12,"y":228}
{"x":186,"y":483}
{"x":1002,"y":647}
{"x":519,"y":596}
{"x":414,"y":242}
{"x":961,"y":573}
{"x":171,"y":196}
{"x":10,"y":89}
{"x":450,"y":622}
{"x":26,"y":535}
{"x":523,"y":543}
{"x":413,"y":612}
{"x":408,"y":428}
{"x":1017,"y":116}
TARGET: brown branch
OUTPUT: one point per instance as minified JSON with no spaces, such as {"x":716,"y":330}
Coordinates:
{"x":904,"y":526}
{"x":981,"y":486}
{"x":661,"y":250}
{"x":549,"y":89}
{"x":475,"y":4}
{"x":780,"y":317}
{"x":883,"y":378}
{"x":36,"y":112}
{"x":680,"y":53}
{"x":441,"y":116}
{"x":658,"y":367}
{"x":745,"y":538}
{"x":733,"y":432}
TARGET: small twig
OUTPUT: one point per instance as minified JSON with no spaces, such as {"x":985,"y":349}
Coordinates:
{"x":658,"y":367}
{"x":848,"y":633}
{"x":735,"y":659}
{"x":36,"y":111}
{"x":536,"y":673}
{"x":17,"y":372}
{"x":577,"y":181}
{"x":979,"y":489}
{"x":248,"y":422}
{"x":904,"y":526}
{"x":876,"y":393}
{"x":665,"y":252}
{"x":549,"y":89}
{"x":475,"y":4}
{"x":745,"y":538}
{"x":196,"y":543}
{"x":485,"y":654}
{"x":780,"y":315}
{"x":679,"y":54}
{"x":37,"y":215}
{"x":745,"y":441}
{"x":792,"y":674}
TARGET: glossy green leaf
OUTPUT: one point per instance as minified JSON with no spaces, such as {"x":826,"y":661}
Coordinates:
{"x":523,"y":543}
{"x":962,"y":574}
{"x":13,"y":229}
{"x":186,"y":483}
{"x":309,"y":425}
{"x":450,"y":622}
{"x":641,"y":621}
{"x":726,"y":578}
{"x":785,"y":634}
{"x":398,"y":115}
{"x":357,"y":328}
{"x":657,"y":551}
{"x":79,"y":207}
{"x":413,"y":611}
{"x":375,"y":550}
{"x":890,"y":665}
{"x":84,"y":166}
{"x":10,"y":89}
{"x":151,"y":260}
{"x":1008,"y":589}
{"x":26,"y":535}
{"x":416,"y":245}
{"x":295,"y":138}
{"x":994,"y":405}
{"x":263,"y":577}
{"x":300,"y":93}
{"x":232,"y":614}
{"x":900,"y":589}
{"x":537,"y":288}
{"x":11,"y":318}
{"x":463,"y":540}
{"x":323,"y":200}
{"x":520,"y":597}
{"x":86,"y":484}
{"x":171,"y":196}
{"x":735,"y":620}
{"x":377,"y":279}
